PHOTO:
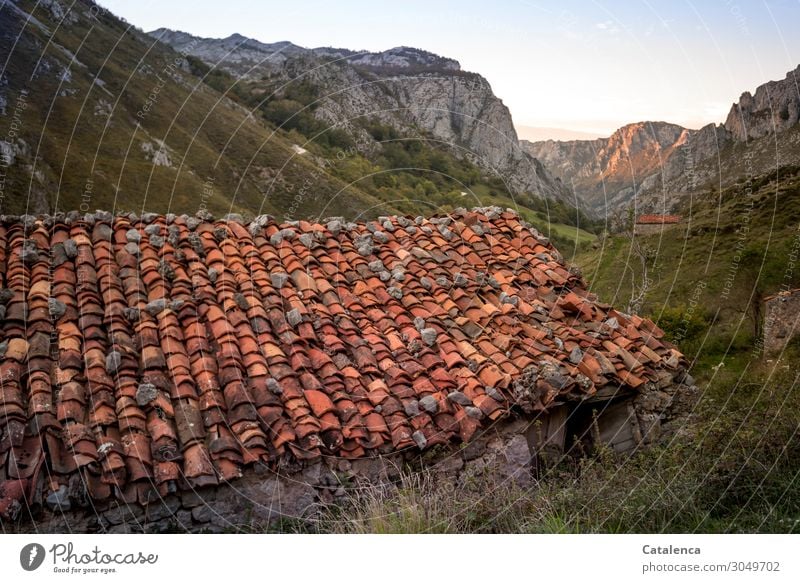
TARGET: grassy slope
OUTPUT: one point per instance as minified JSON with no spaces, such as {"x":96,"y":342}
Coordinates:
{"x":208,"y":138}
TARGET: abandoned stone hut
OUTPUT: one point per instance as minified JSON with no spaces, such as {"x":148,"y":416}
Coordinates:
{"x":175,"y":372}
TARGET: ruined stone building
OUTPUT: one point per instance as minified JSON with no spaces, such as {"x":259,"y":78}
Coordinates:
{"x":174,"y":372}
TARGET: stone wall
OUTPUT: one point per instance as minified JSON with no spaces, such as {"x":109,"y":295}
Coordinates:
{"x":781,"y":320}
{"x":266,"y":495}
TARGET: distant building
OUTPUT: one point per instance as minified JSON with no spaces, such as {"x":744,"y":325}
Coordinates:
{"x":780,"y":319}
{"x":649,"y":224}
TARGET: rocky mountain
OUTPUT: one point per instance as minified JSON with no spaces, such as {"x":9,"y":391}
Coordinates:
{"x":417,"y":93}
{"x":95,"y":114}
{"x":655,"y":164}
{"x":773,"y":108}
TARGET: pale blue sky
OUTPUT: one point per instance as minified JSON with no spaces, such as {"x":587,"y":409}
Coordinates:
{"x":587,"y":66}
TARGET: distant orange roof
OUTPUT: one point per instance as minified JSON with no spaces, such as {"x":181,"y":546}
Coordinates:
{"x":658,"y":219}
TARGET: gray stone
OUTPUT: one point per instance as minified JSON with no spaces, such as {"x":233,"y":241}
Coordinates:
{"x":294,"y":317}
{"x":384,"y":276}
{"x":388,"y":226}
{"x":155,"y":307}
{"x":57,"y":308}
{"x":164,"y":508}
{"x":58,"y":501}
{"x":71,"y":248}
{"x":459,"y":398}
{"x":365,"y":250}
{"x":446,"y":233}
{"x":335,"y":227}
{"x":191,"y":498}
{"x":429,"y":336}
{"x":132,"y":248}
{"x":411,"y":408}
{"x":154,"y":229}
{"x":507,"y":299}
{"x":460,"y":280}
{"x":220,"y":234}
{"x":306,"y":239}
{"x":420,"y":439}
{"x":474,"y":449}
{"x":103,"y":232}
{"x":6,"y":295}
{"x":274,"y":387}
{"x":233,"y":218}
{"x":376,"y":266}
{"x":429,"y":403}
{"x":131,"y":314}
{"x":419,"y":324}
{"x":381,"y":237}
{"x":133,"y":236}
{"x":442,"y":281}
{"x":29,"y":255}
{"x":146,"y":394}
{"x":576,"y":355}
{"x":288,"y":234}
{"x":278,"y":279}
{"x":495,"y":394}
{"x":123,"y":514}
{"x":426,"y":283}
{"x":157,"y":241}
{"x":241,"y":301}
{"x":276,"y":239}
{"x":113,"y":362}
{"x":212,"y":275}
{"x":411,"y":230}
{"x":473,"y":412}
{"x":204,"y":513}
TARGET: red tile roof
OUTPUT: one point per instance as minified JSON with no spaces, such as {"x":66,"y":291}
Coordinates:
{"x":658,"y":219}
{"x":173,"y":353}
